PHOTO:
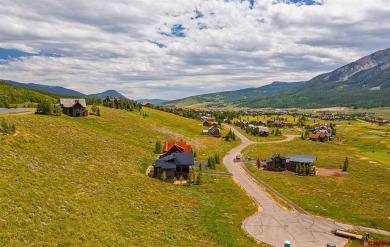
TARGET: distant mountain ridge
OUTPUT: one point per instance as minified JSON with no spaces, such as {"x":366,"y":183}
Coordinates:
{"x":110,"y":93}
{"x":363,"y":83}
{"x":63,"y":91}
{"x":152,"y":101}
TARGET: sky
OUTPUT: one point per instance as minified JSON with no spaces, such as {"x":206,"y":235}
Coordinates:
{"x":176,"y":48}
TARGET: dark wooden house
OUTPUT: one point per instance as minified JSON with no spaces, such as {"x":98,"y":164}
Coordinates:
{"x":114,"y":102}
{"x":174,"y":166}
{"x":74,"y":107}
{"x":282,"y":163}
{"x":214,"y":131}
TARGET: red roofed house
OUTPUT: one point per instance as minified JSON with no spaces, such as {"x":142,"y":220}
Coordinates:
{"x":171,"y":147}
{"x":210,"y":123}
{"x":318,"y":137}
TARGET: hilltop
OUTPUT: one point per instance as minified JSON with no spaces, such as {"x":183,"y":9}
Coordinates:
{"x":363,"y":83}
{"x":57,"y":90}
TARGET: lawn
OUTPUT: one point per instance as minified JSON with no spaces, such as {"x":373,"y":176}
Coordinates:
{"x":361,"y":198}
{"x":80,"y":181}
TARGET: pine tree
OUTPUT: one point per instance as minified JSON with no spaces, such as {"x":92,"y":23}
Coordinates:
{"x":307,"y":167}
{"x":98,"y":112}
{"x":346,"y":164}
{"x":158,"y":147}
{"x":4,"y":126}
{"x":217,"y":159}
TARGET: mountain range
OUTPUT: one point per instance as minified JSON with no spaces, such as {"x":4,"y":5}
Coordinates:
{"x":363,"y":83}
{"x":63,"y":91}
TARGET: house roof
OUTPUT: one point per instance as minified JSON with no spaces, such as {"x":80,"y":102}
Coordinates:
{"x":180,"y":145}
{"x":303,"y":158}
{"x":67,"y":103}
{"x":173,"y":160}
{"x":318,"y":135}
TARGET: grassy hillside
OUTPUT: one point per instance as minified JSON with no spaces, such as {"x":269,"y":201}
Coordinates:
{"x":80,"y":182}
{"x":12,"y":95}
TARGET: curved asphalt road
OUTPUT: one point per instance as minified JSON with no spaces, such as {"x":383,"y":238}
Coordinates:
{"x":274,"y":224}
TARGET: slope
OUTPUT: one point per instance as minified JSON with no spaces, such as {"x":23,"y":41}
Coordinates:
{"x":13,"y":95}
{"x":81,"y":182}
{"x":233,"y":98}
{"x":47,"y":89}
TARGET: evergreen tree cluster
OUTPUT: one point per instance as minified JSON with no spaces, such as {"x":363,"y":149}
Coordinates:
{"x":213,"y":160}
{"x":230,"y":136}
{"x":305,"y":170}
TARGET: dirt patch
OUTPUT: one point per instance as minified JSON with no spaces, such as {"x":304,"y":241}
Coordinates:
{"x":331,"y":172}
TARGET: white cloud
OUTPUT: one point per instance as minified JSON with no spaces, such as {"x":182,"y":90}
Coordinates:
{"x":108,"y":45}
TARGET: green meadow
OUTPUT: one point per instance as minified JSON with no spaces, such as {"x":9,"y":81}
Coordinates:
{"x":81,"y":182}
{"x":362,"y":198}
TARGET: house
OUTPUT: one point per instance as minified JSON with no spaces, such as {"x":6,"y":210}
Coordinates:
{"x":282,"y":163}
{"x":174,"y":166}
{"x":146,"y":104}
{"x":116,"y":103}
{"x":213,"y":131}
{"x":171,"y":147}
{"x":210,"y":123}
{"x":74,"y":107}
{"x":322,"y":137}
{"x":263,"y":131}
{"x":276,"y":163}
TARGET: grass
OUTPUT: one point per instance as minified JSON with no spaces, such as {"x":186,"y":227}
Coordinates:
{"x":361,"y":199}
{"x":373,"y":238}
{"x":80,"y":181}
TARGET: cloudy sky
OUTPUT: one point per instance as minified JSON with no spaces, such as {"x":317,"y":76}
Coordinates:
{"x":175,"y":48}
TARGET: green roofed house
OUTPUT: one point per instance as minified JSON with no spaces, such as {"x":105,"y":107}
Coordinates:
{"x":290,"y":162}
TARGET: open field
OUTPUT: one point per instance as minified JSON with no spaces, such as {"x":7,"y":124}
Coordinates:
{"x":361,"y":198}
{"x":80,"y":181}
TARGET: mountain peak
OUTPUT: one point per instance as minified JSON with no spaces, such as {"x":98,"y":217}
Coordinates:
{"x":368,"y":62}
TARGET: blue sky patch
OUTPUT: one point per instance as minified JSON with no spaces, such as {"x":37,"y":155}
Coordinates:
{"x":10,"y":54}
{"x":198,"y":15}
{"x":176,"y":31}
{"x":304,"y":2}
{"x":158,"y":44}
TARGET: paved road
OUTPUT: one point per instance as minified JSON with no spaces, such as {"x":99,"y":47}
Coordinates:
{"x":274,"y":224}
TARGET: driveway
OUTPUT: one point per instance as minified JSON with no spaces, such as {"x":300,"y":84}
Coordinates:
{"x":273,"y":224}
